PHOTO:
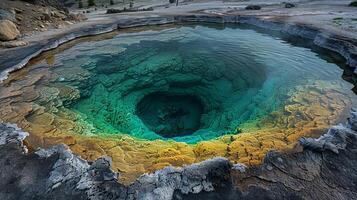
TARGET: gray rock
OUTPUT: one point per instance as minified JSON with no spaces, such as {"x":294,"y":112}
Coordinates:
{"x":66,"y":168}
{"x":352,"y":121}
{"x":240,"y":167}
{"x":6,"y":15}
{"x":334,"y":140}
{"x":101,"y":171}
{"x":253,"y":7}
{"x":10,"y":133}
{"x":196,"y":178}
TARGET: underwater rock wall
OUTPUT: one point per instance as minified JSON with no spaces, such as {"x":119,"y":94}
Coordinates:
{"x":153,"y":76}
{"x":323,"y":167}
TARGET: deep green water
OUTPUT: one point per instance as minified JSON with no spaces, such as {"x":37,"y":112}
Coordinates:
{"x":190,"y":83}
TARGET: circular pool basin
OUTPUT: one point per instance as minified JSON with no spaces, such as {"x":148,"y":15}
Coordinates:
{"x":178,"y":94}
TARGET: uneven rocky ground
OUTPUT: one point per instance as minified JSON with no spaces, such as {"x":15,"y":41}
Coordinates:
{"x":34,"y":16}
{"x":31,"y":17}
{"x":323,"y":168}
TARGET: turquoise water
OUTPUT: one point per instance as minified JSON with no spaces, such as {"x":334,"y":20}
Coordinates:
{"x":189,"y":83}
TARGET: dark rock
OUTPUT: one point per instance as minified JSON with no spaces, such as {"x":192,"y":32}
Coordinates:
{"x":353,"y":4}
{"x":18,"y":11}
{"x":253,"y":7}
{"x":113,"y":10}
{"x":289,"y":5}
{"x":19,"y":18}
{"x":148,"y":9}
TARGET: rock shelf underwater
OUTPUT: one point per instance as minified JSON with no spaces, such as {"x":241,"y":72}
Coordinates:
{"x":243,"y":97}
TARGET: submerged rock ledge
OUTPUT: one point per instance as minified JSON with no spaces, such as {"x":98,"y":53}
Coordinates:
{"x":323,"y":167}
{"x":18,"y":58}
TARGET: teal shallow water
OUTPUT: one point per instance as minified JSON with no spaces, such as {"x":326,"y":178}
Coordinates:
{"x":236,"y":75}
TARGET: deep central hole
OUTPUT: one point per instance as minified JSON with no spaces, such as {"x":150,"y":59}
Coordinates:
{"x":170,"y":115}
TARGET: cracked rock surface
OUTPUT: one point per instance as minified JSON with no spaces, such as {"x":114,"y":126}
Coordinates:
{"x":322,"y":168}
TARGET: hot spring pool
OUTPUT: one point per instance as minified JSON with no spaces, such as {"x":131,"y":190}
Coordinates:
{"x":174,"y":95}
